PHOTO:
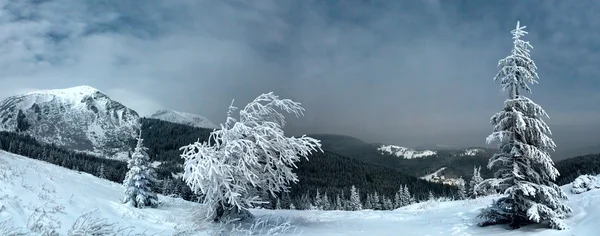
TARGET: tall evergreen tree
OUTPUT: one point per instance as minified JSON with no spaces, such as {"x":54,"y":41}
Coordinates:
{"x":369,"y":202}
{"x":101,"y":172}
{"x":338,"y":203}
{"x":398,"y":199}
{"x":376,"y":201}
{"x":406,"y":196}
{"x":355,"y":204}
{"x":475,"y":180}
{"x":524,"y":169}
{"x":139,"y":179}
{"x":462,"y":193}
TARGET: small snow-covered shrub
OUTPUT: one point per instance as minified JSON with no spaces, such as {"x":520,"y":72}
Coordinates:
{"x":584,"y":183}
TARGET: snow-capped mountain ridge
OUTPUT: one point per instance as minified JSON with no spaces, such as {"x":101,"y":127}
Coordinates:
{"x":183,"y":118}
{"x":404,"y":152}
{"x":79,"y":118}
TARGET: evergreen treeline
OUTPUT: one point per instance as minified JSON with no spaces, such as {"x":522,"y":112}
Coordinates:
{"x":332,"y":173}
{"x":572,"y":168}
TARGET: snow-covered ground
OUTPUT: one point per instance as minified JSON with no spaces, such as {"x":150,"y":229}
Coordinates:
{"x":28,"y":187}
{"x":403,"y":152}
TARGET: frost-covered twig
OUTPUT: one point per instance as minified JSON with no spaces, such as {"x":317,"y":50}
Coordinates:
{"x":86,"y":225}
{"x":10,"y":231}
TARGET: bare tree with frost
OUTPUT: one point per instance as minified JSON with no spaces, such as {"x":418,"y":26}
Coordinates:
{"x":140,"y":178}
{"x":246,"y":154}
{"x":524,"y":168}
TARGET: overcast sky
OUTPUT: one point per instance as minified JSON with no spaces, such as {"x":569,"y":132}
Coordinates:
{"x":401,"y":72}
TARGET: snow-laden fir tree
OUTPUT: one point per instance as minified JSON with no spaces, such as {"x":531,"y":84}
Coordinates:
{"x":398,"y":199}
{"x":462,"y":192}
{"x":251,"y":152}
{"x":338,"y":203}
{"x":140,"y":178}
{"x":355,"y":204}
{"x":101,"y":172}
{"x":406,"y":196}
{"x":376,"y":201}
{"x":368,"y":202}
{"x":326,"y":203}
{"x":387,"y":203}
{"x":430,"y":196}
{"x":318,"y":201}
{"x":524,"y":169}
{"x":278,"y":204}
{"x":475,"y":180}
{"x":286,"y":200}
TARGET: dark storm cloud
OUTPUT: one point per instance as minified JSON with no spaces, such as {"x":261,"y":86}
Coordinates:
{"x":404,"y":72}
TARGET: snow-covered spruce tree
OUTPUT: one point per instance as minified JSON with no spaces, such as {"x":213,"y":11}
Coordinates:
{"x":251,"y":152}
{"x":368,"y":202}
{"x":101,"y":172}
{"x":139,"y":179}
{"x":462,"y":193}
{"x":524,"y":169}
{"x":398,"y":199}
{"x":338,"y":203}
{"x":318,"y":201}
{"x":475,"y":180}
{"x":354,"y":204}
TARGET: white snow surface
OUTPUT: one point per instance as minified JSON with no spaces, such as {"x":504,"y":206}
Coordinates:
{"x":405,"y":153}
{"x":472,"y":151}
{"x":184,"y":119}
{"x":429,"y":177}
{"x":26,"y":183}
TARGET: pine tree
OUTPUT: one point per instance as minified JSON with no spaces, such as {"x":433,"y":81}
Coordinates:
{"x":462,"y":193}
{"x":101,"y":172}
{"x":475,"y":180}
{"x":338,"y":203}
{"x":278,"y":204}
{"x":387,"y":203}
{"x":355,"y":204}
{"x":139,"y":179}
{"x":398,"y":199}
{"x":318,"y":201}
{"x":376,"y":201}
{"x":286,"y":200}
{"x":430,"y":196}
{"x":369,"y":202}
{"x":524,"y":169}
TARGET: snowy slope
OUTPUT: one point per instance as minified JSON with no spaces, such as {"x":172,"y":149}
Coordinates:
{"x":403,"y":152}
{"x":79,"y":118}
{"x":184,"y":119}
{"x":27,"y":185}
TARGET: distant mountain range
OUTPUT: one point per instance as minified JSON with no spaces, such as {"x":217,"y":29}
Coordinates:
{"x":184,"y":119}
{"x":84,"y":119}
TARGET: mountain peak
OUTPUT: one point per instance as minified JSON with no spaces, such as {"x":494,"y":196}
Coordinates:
{"x":77,"y":90}
{"x":80,"y":118}
{"x":183,"y":118}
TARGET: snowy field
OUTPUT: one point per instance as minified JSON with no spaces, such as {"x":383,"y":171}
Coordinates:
{"x":35,"y":196}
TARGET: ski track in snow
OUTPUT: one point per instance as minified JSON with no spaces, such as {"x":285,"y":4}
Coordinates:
{"x":26,"y":183}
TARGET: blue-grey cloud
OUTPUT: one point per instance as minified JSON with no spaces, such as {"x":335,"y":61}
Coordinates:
{"x":405,"y":72}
